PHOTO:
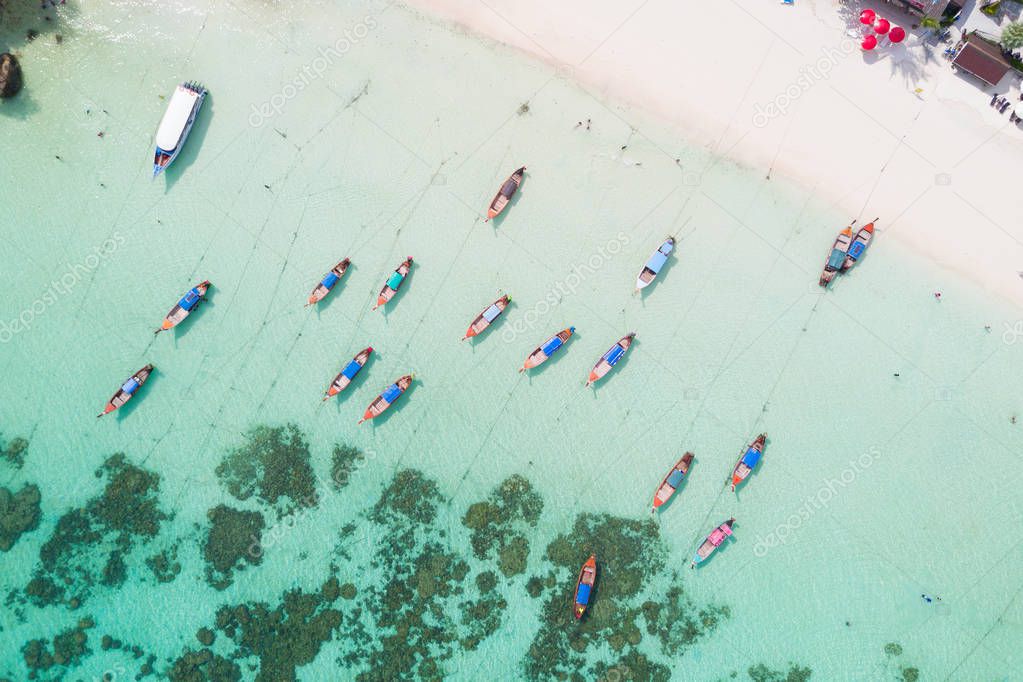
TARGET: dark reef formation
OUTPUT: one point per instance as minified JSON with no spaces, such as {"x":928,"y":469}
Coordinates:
{"x":10,"y":75}
{"x":409,"y":590}
{"x":500,"y":524}
{"x":19,"y":514}
{"x":343,"y":461}
{"x":272,"y":464}
{"x":66,"y":650}
{"x":795,"y":673}
{"x":14,"y":452}
{"x":635,"y":602}
{"x":232,"y":543}
{"x":90,"y":544}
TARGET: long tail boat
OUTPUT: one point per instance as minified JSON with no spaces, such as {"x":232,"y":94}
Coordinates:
{"x":672,"y":481}
{"x":837,"y":256}
{"x":189,"y":302}
{"x":713,"y":541}
{"x":655,"y":263}
{"x":127,"y":390}
{"x":749,"y":460}
{"x":329,"y":280}
{"x":610,"y":358}
{"x":387,"y":398}
{"x":549,"y":347}
{"x":584,"y":586}
{"x":394,"y":282}
{"x":859,"y":245}
{"x":504,"y":195}
{"x":486,"y":318}
{"x":176,"y":124}
{"x":347,"y":374}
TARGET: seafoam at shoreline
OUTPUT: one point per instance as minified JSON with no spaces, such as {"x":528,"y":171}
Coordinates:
{"x":894,"y":133}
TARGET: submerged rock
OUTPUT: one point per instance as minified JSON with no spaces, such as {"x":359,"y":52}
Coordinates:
{"x":233,"y":541}
{"x":795,"y":673}
{"x":14,"y":452}
{"x":203,"y":666}
{"x":273,"y":464}
{"x":630,"y":599}
{"x":10,"y":75}
{"x":19,"y":514}
{"x":91,"y":544}
{"x":70,"y":648}
{"x":283,"y":638}
{"x":343,"y":461}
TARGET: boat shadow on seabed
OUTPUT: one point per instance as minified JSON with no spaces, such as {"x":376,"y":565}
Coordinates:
{"x":191,"y":149}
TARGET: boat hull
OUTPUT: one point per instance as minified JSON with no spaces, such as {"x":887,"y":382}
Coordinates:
{"x":185,"y":307}
{"x":387,"y":398}
{"x":609,"y":359}
{"x":348,"y":374}
{"x":164,"y":157}
{"x":716,"y":538}
{"x":836,"y":257}
{"x":505,"y":194}
{"x":127,"y":390}
{"x":394,"y":283}
{"x":672,"y":481}
{"x":748,"y":460}
{"x":328,"y":282}
{"x":584,"y":587}
{"x":551,"y":346}
{"x":654,"y":264}
{"x":859,"y":246}
{"x":487,"y":317}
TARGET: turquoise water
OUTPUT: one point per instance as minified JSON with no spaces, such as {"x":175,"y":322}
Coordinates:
{"x":371,"y":132}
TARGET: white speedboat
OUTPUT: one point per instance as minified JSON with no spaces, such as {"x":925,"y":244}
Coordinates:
{"x":176,"y":124}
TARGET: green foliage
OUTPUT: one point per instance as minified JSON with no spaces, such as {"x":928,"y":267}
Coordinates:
{"x":1012,"y":36}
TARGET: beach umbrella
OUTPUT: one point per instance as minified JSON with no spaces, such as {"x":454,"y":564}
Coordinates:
{"x":867,"y":17}
{"x":897,"y":34}
{"x":881,"y":26}
{"x":869,"y":43}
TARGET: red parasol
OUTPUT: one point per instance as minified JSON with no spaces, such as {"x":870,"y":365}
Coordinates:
{"x":881,"y":26}
{"x":897,"y":34}
{"x":869,"y":43}
{"x":867,"y":17}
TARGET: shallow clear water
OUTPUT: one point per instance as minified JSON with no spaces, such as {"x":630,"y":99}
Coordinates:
{"x":873,"y":489}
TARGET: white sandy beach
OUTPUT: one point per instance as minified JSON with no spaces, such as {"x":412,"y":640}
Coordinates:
{"x":894,"y":133}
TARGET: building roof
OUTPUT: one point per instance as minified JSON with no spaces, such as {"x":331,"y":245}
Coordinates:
{"x":983,"y":58}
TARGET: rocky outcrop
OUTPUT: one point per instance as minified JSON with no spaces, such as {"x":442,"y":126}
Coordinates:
{"x":10,"y":75}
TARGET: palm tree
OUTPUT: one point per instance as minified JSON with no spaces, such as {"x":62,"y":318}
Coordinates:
{"x":1012,"y":36}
